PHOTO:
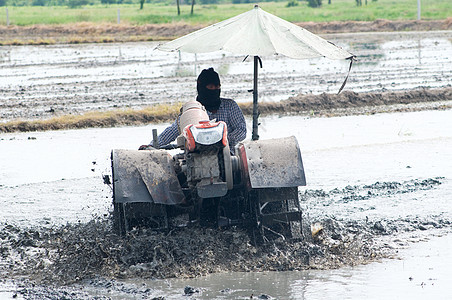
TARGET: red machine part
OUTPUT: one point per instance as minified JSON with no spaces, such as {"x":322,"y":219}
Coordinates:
{"x":190,"y":140}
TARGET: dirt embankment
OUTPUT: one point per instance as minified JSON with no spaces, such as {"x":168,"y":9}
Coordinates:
{"x":377,"y":26}
{"x":346,"y":103}
{"x":105,"y":32}
{"x":351,"y":103}
{"x":91,"y":33}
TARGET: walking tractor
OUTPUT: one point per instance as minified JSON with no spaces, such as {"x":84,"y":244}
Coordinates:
{"x":254,"y":186}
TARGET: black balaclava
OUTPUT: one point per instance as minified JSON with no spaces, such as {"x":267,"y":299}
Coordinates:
{"x":209,"y":98}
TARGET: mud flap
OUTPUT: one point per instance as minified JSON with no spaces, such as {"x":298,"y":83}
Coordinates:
{"x":273,"y":171}
{"x":144,"y":184}
{"x":273,"y":163}
{"x":145,"y":176}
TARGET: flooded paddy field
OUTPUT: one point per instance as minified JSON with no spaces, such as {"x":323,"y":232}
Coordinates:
{"x":44,"y":81}
{"x":379,"y":185}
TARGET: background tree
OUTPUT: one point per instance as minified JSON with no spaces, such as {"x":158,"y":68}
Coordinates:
{"x":315,"y":3}
{"x":38,"y":2}
{"x":76,"y":3}
{"x":2,"y":2}
{"x":141,"y":4}
{"x":292,"y":3}
{"x":192,"y":5}
{"x":178,"y":7}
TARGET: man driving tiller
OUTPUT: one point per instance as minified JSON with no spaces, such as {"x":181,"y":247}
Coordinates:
{"x":218,"y":109}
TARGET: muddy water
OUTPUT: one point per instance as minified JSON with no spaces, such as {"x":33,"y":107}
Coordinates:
{"x":393,"y":170}
{"x":420,"y":274}
{"x":43,"y":81}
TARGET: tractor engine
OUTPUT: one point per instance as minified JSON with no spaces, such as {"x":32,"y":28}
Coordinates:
{"x":205,"y":145}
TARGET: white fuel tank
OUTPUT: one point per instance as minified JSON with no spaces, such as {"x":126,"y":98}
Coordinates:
{"x":192,"y":113}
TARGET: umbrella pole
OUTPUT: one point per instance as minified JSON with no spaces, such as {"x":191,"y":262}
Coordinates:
{"x":255,"y":135}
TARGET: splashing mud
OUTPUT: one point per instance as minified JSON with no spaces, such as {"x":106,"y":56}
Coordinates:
{"x":86,"y":251}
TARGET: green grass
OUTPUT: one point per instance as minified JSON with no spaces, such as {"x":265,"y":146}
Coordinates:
{"x":339,"y":10}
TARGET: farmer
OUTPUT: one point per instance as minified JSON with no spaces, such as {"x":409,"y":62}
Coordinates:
{"x":221,"y":109}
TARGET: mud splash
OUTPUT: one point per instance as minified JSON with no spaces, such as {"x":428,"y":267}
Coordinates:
{"x":85,"y":251}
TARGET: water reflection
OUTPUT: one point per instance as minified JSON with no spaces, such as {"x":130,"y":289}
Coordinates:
{"x":419,"y":50}
{"x":370,"y":52}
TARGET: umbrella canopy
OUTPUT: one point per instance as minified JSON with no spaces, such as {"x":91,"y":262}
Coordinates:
{"x":257,"y":33}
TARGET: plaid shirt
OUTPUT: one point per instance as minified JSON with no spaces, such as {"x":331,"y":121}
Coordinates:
{"x":228,"y":112}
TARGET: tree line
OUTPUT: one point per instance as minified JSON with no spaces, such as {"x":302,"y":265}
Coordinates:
{"x":139,"y":2}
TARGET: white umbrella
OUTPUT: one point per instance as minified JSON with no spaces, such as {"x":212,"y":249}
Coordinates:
{"x":257,"y":33}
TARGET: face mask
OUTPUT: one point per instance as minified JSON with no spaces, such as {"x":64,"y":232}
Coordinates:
{"x":209,"y":98}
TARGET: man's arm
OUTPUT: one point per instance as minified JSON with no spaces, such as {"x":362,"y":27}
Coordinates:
{"x":236,"y":126}
{"x":167,"y":136}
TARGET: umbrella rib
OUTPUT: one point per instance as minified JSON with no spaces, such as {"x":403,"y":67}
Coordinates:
{"x":311,"y":36}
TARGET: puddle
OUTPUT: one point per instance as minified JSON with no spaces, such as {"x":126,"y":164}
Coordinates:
{"x":420,"y":274}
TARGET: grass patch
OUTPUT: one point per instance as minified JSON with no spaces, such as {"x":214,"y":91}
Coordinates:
{"x":155,"y":114}
{"x":339,"y":10}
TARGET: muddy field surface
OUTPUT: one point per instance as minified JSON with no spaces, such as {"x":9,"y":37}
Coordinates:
{"x":91,"y":255}
{"x":398,"y":166}
{"x":369,"y":197}
{"x":43,"y":82}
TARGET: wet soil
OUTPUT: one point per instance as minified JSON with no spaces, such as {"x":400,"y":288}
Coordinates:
{"x":50,"y":87}
{"x":354,"y":224}
{"x":63,"y":255}
{"x":44,"y":260}
{"x":104,"y":33}
{"x":351,"y":103}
